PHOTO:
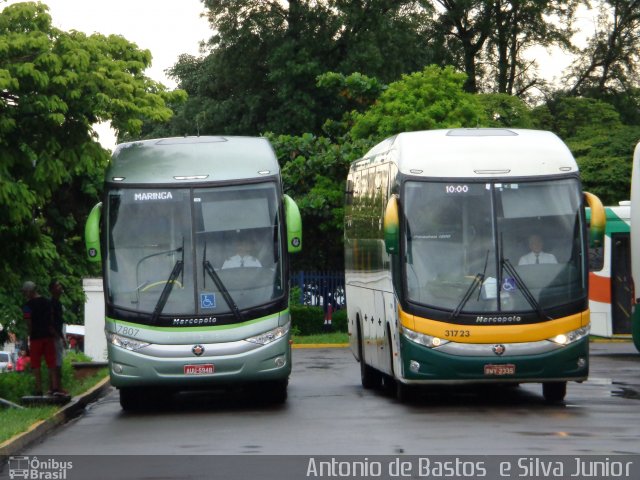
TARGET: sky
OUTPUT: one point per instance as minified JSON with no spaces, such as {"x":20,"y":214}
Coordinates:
{"x":167,"y":28}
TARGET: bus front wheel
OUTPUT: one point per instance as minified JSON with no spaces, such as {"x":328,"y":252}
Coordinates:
{"x":369,"y":376}
{"x":131,"y":399}
{"x":554,"y":392}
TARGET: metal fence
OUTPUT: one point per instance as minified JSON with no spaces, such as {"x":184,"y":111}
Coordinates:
{"x":320,"y":288}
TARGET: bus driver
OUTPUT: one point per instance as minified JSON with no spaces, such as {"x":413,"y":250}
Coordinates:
{"x":536,"y":255}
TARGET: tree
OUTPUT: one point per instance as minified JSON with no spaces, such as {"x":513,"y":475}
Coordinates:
{"x":432,"y":98}
{"x":54,"y":86}
{"x":604,"y":156}
{"x":314,"y":171}
{"x":519,"y":25}
{"x":468,"y":23}
{"x":492,"y":36}
{"x":502,"y":110}
{"x":609,"y":62}
{"x":265,"y":56}
{"x":602,"y":145}
{"x":567,"y":115}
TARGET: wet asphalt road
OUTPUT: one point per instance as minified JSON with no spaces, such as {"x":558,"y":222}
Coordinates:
{"x":329,"y":413}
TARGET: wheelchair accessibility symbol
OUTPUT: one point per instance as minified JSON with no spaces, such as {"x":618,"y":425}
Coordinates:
{"x":508,"y":284}
{"x":207,"y":300}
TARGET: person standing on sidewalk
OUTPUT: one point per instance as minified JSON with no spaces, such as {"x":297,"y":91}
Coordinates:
{"x":38,"y":316}
{"x":56,"y":290}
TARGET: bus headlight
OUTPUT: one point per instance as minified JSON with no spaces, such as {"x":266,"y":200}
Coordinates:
{"x":572,"y":336}
{"x":422,"y":339}
{"x":270,"y":336}
{"x":125,"y":342}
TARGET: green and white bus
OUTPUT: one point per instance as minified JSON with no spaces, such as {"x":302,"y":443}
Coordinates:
{"x":193,"y":235}
{"x":610,"y":285}
{"x":440,"y":286}
{"x":635,"y":245}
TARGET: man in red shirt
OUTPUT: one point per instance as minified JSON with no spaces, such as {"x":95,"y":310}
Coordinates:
{"x":38,"y":315}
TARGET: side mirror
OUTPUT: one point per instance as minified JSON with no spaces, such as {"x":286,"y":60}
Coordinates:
{"x":392,"y":226}
{"x":597,"y":222}
{"x":92,"y":234}
{"x":294,"y":225}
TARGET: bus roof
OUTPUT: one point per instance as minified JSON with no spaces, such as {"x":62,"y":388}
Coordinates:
{"x":476,"y":152}
{"x":192,"y":159}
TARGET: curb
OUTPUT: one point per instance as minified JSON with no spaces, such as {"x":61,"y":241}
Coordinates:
{"x":66,"y":413}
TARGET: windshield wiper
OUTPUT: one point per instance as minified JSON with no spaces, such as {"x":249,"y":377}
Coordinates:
{"x":475,"y":283}
{"x":526,"y":293}
{"x":178,"y":268}
{"x":221,"y":287}
{"x":145,"y":283}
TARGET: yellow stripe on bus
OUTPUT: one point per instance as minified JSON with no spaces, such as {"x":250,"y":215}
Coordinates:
{"x":506,"y":333}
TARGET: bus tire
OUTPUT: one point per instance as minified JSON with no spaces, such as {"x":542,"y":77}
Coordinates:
{"x":369,"y":376}
{"x":277,"y":391}
{"x":131,"y":399}
{"x":405,"y":393}
{"x":554,"y":392}
{"x":273,"y":392}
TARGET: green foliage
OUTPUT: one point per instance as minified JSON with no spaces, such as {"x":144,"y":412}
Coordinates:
{"x":490,"y":39}
{"x":608,"y":64}
{"x":601,"y":144}
{"x":355,"y":92}
{"x":502,"y":110}
{"x":307,"y":320}
{"x":15,"y":385}
{"x":426,"y":100}
{"x":567,"y":115}
{"x":14,"y":421}
{"x":605,"y":160}
{"x":54,"y":86}
{"x":340,"y":321}
{"x":264,"y":57}
{"x":314,"y":171}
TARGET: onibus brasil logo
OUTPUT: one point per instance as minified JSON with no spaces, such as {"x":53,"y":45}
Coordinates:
{"x":34,"y":468}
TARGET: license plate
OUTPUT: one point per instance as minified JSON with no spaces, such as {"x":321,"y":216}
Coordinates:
{"x":203,"y":369}
{"x":503,"y":369}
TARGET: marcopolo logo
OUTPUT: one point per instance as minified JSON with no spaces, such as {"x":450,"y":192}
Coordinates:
{"x":509,"y":319}
{"x":35,"y":468}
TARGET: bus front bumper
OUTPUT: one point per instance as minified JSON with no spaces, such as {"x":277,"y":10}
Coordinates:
{"x":218,"y":364}
{"x":421,"y":364}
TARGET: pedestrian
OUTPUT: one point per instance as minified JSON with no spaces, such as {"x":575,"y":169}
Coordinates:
{"x":38,"y":316}
{"x":23,"y":361}
{"x":56,"y":290}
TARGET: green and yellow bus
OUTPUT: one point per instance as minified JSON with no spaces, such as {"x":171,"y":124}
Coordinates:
{"x":443,"y":283}
{"x":194,"y":235}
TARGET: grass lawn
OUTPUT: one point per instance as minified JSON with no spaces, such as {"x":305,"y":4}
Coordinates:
{"x":321,"y":338}
{"x":15,"y":420}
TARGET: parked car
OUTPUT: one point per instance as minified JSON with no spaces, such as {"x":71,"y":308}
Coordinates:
{"x":7,"y":363}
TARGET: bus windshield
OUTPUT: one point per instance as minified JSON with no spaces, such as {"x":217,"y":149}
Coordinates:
{"x":200,"y":251}
{"x":494,"y":247}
